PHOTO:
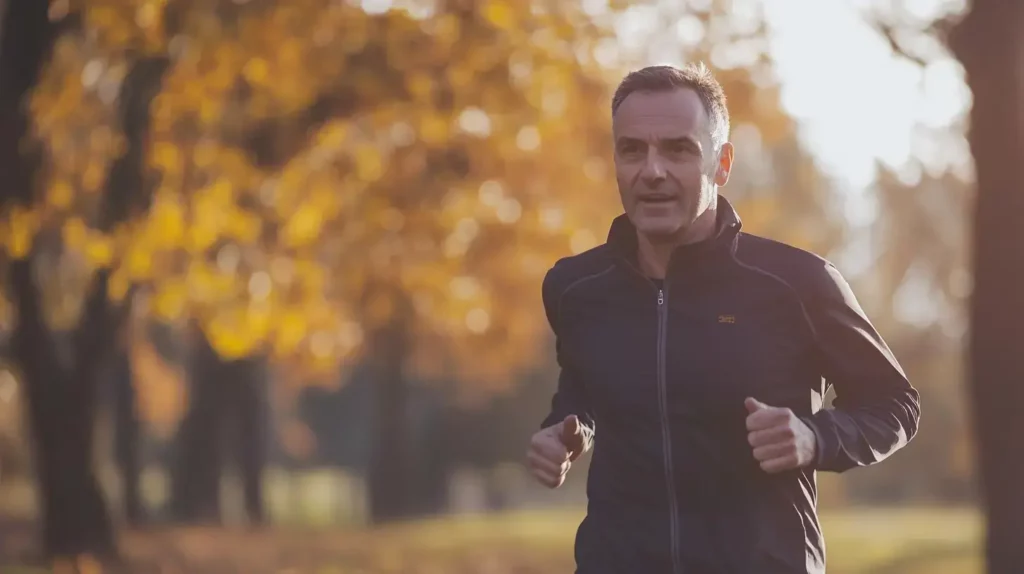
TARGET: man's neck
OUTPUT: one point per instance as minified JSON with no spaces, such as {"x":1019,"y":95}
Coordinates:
{"x":654,"y":253}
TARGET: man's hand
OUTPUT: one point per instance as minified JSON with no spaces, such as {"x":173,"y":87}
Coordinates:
{"x":553,"y":450}
{"x":781,"y":441}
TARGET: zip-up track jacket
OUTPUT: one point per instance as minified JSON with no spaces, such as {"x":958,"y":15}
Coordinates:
{"x":658,"y":376}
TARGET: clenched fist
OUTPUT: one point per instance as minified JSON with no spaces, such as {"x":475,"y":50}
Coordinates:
{"x":781,"y":441}
{"x":553,"y":450}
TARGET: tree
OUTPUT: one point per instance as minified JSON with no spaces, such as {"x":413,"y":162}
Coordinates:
{"x":390,"y":184}
{"x":989,"y":41}
{"x":60,"y":341}
{"x":226,"y":421}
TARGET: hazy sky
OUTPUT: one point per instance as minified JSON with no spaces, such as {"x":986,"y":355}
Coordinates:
{"x":856,"y":100}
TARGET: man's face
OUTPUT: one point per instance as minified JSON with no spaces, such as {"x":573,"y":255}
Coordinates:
{"x":665,"y":163}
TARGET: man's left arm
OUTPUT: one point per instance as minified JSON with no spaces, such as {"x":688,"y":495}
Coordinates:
{"x":876,"y":410}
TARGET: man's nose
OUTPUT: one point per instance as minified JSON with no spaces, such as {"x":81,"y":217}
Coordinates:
{"x":654,"y":171}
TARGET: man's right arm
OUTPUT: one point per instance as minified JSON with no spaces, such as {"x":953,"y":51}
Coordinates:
{"x":570,"y":395}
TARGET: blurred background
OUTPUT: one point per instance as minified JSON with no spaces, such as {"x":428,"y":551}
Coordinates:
{"x":272,"y":267}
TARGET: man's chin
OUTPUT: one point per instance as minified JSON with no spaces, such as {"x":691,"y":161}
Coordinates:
{"x":659,"y":229}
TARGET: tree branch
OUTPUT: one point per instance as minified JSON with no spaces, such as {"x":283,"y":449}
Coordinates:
{"x":939,"y":29}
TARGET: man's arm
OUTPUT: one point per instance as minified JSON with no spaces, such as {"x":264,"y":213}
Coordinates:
{"x":570,"y":396}
{"x":876,"y":410}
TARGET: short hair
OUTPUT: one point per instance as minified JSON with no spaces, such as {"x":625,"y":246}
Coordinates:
{"x":696,"y":77}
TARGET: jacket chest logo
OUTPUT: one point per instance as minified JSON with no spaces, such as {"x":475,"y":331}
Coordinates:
{"x":730,"y":319}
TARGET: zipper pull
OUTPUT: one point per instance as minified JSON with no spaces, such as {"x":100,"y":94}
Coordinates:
{"x":661,"y":297}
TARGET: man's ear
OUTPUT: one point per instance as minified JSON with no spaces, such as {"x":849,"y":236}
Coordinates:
{"x":724,"y":168}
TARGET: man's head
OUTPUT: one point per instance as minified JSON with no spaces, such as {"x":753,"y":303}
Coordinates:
{"x":671,"y":131}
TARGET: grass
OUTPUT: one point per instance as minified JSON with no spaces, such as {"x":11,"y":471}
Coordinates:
{"x":882,"y":541}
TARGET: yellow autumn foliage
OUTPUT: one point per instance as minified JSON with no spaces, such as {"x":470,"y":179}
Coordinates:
{"x":316,"y":168}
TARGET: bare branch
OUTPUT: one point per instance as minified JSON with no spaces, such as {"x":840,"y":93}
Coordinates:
{"x":889,"y":32}
{"x":890,"y":28}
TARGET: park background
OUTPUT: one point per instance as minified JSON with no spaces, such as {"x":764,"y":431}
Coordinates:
{"x":272,"y":267}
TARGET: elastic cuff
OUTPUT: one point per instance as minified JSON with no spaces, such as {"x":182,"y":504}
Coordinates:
{"x":819,"y":443}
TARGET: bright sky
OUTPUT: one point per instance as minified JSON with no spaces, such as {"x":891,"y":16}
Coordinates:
{"x":855,"y":100}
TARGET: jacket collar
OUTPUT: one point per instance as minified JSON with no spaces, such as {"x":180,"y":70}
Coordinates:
{"x":622,"y":238}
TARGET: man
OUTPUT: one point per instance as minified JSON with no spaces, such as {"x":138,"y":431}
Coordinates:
{"x":702,"y":354}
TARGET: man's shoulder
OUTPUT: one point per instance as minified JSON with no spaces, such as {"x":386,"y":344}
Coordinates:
{"x":805,"y":271}
{"x":570,"y":270}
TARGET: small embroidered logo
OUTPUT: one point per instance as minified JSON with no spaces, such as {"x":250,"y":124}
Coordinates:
{"x":727,"y":319}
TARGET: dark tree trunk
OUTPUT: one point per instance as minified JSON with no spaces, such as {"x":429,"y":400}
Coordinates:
{"x":198,"y":458}
{"x":434,"y":463}
{"x":247,"y":380}
{"x":62,"y":409}
{"x":227,"y":419}
{"x":990,"y":44}
{"x":61,"y":388}
{"x":390,"y":478}
{"x":60,"y":397}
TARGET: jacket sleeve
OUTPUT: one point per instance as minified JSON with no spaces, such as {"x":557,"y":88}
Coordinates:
{"x":876,"y":410}
{"x":570,"y":395}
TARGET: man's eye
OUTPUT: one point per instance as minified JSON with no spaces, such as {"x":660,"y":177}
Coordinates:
{"x":630,"y":148}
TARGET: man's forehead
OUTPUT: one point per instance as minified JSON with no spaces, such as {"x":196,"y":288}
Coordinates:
{"x":677,"y":112}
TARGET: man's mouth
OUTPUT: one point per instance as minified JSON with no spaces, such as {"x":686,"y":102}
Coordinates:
{"x":657,"y":199}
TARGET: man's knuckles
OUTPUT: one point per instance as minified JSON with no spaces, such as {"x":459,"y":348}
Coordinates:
{"x":539,"y":439}
{"x":776,"y":435}
{"x":540,"y":459}
{"x":765,"y":419}
{"x":780,"y":464}
{"x":770,"y":452}
{"x":549,"y":446}
{"x":549,"y":479}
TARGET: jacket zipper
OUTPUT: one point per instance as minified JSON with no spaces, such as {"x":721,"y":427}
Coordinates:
{"x":666,"y":436}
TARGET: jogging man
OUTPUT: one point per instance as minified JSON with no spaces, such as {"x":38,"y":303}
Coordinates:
{"x":694,"y":359}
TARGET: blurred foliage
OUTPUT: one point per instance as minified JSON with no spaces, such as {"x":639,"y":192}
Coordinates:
{"x":317,"y":169}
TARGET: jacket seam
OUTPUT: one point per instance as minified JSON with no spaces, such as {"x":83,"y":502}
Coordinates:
{"x":576,"y":283}
{"x":788,"y":285}
{"x":818,"y":435}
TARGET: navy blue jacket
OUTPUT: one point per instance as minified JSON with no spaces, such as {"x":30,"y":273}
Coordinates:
{"x":658,"y":376}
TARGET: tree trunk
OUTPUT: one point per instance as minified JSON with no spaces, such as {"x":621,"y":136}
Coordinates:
{"x":390,"y":472}
{"x":61,"y":392}
{"x":198,"y":458}
{"x":433,"y":463}
{"x":227,"y":420}
{"x":249,"y":417}
{"x":62,"y":407}
{"x":990,"y":44}
{"x":60,"y":396}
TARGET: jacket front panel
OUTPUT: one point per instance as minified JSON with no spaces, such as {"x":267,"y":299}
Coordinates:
{"x":744,"y":334}
{"x":658,"y":375}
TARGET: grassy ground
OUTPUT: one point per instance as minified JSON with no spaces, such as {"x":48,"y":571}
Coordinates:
{"x":903,"y":541}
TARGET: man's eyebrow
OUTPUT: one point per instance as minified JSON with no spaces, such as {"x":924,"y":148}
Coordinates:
{"x":682,"y":139}
{"x":669,"y":139}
